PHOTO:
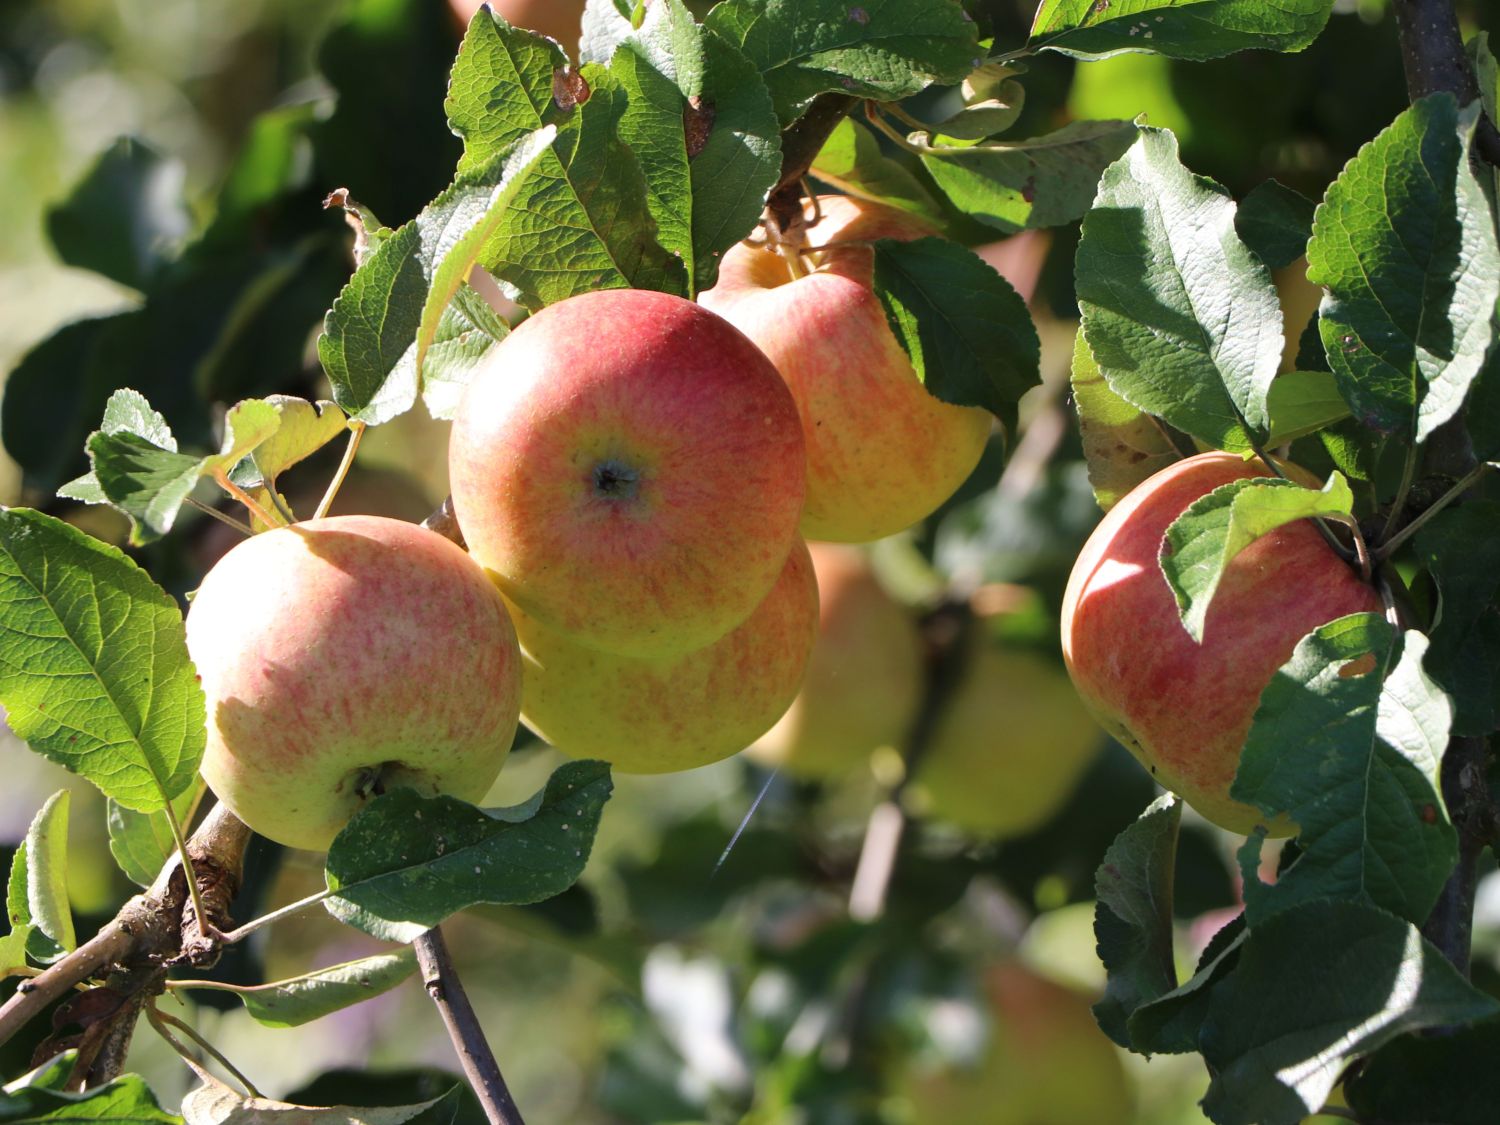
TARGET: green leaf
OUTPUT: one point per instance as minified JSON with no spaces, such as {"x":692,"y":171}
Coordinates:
{"x":1461,"y":551}
{"x":1418,"y":1079}
{"x":881,"y":49}
{"x":701,"y":121}
{"x":1181,"y":317}
{"x":587,"y":223}
{"x":1121,"y":445}
{"x":126,"y":218}
{"x":1133,"y":915}
{"x":467,"y":330}
{"x":852,"y":161}
{"x":143,"y":842}
{"x":1348,"y":742}
{"x":405,"y":863}
{"x":1173,"y":1022}
{"x":1046,"y":181}
{"x":1275,"y":222}
{"x":1315,"y":988}
{"x":993,"y":100}
{"x":604,"y":28}
{"x":1202,"y":541}
{"x":1482,"y":414}
{"x":966,"y":330}
{"x":1487,"y":73}
{"x":94,"y":670}
{"x":125,"y":1101}
{"x":214,"y":1103}
{"x":1404,"y":242}
{"x":303,"y":429}
{"x":376,"y":336}
{"x":38,"y":895}
{"x":311,"y":996}
{"x":1302,"y":403}
{"x":1180,"y":29}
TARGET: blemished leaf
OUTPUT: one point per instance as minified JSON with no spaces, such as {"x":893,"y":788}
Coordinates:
{"x":1121,"y":445}
{"x":1461,"y":551}
{"x":1182,"y":318}
{"x":1275,"y":221}
{"x":1180,"y":29}
{"x":1171,"y":1023}
{"x":94,"y":670}
{"x":126,"y":218}
{"x":1045,"y":181}
{"x":1405,"y":245}
{"x":1302,"y":403}
{"x":405,"y":862}
{"x":141,"y":843}
{"x":1417,"y":1079}
{"x":1133,"y":915}
{"x":388,"y":316}
{"x":587,"y":223}
{"x":214,"y":1103}
{"x":1316,"y":987}
{"x":125,"y":1101}
{"x":1348,"y":742}
{"x":1212,"y":530}
{"x":311,"y":996}
{"x":966,"y":330}
{"x":700,"y":119}
{"x":851,"y":160}
{"x":881,"y":49}
{"x":304,"y":429}
{"x":38,"y":893}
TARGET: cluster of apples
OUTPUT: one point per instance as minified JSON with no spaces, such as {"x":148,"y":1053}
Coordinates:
{"x":633,"y":475}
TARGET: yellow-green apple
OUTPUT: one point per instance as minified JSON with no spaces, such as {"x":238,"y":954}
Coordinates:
{"x":882,"y":453}
{"x":345,"y":655}
{"x":649,"y":715}
{"x":560,"y":19}
{"x":1009,"y":747}
{"x":1184,"y":708}
{"x":1045,"y":1063}
{"x":864,"y":678}
{"x":631,"y":469}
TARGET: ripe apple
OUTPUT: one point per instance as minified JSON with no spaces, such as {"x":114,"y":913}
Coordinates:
{"x":631,"y":469}
{"x":347,"y":654}
{"x":1008,"y":749}
{"x":882,"y":453}
{"x":1183,"y":708}
{"x":1046,"y":1063}
{"x":864,"y":678}
{"x":648,"y":715}
{"x":560,"y":19}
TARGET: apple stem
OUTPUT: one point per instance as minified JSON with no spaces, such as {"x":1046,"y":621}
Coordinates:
{"x":240,"y":933}
{"x":442,"y":983}
{"x":229,"y":521}
{"x":356,"y":431}
{"x":1391,"y":544}
{"x":1408,"y":474}
{"x":880,"y":123}
{"x":253,"y":505}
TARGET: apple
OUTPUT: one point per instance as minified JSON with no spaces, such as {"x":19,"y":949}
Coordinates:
{"x":631,"y":469}
{"x":882,"y":453}
{"x":1184,"y":708}
{"x":646,"y":715}
{"x":864,"y":679}
{"x":345,"y":655}
{"x":1045,"y":1063}
{"x":560,"y":19}
{"x":1009,"y":747}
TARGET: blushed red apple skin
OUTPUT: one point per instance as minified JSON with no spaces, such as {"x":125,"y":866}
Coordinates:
{"x":560,"y":19}
{"x":1183,"y":708}
{"x":344,"y":645}
{"x":676,"y":712}
{"x":656,"y":386}
{"x":882,"y":453}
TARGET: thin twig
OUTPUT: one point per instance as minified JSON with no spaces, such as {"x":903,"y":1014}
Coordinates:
{"x":240,"y":933}
{"x":356,"y":431}
{"x":1389,"y":547}
{"x":254,"y":506}
{"x":223,"y":517}
{"x":474,"y":1053}
{"x":1403,"y":491}
{"x":104,"y":949}
{"x":157,"y":1018}
{"x":200,"y":915}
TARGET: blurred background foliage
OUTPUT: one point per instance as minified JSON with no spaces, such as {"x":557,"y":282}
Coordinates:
{"x":164,"y":163}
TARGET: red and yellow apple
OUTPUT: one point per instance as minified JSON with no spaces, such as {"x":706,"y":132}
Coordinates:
{"x":560,"y":19}
{"x":1008,"y":749}
{"x":631,"y":469}
{"x":864,"y":679}
{"x":882,"y":453}
{"x":648,"y":715}
{"x":344,"y":655}
{"x":1181,"y":707}
{"x":1046,"y":1063}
